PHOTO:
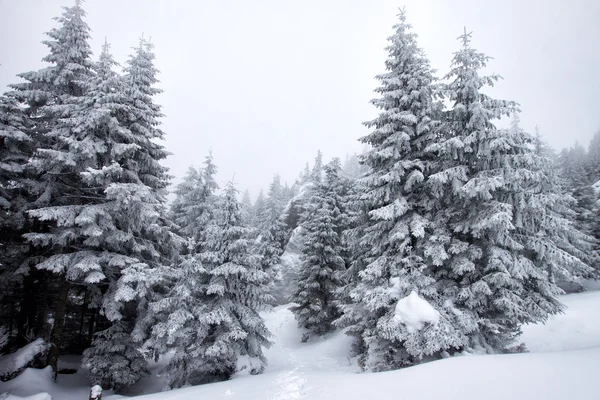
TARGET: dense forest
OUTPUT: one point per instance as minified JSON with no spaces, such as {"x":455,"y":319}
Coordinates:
{"x":482,"y":225}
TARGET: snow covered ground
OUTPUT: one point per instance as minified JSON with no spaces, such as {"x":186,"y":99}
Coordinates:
{"x":564,"y":363}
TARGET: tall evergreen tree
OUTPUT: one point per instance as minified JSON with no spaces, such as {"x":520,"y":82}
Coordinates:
{"x":130,"y":239}
{"x":50,"y":96}
{"x":209,"y":188}
{"x":506,"y":230}
{"x":396,"y":242}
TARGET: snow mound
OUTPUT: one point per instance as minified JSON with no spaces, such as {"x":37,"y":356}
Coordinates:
{"x":38,"y":382}
{"x":414,"y":312}
{"x":96,"y":392}
{"x":577,"y":329}
{"x":18,"y":360}
{"x":39,"y":396}
{"x":246,"y":365}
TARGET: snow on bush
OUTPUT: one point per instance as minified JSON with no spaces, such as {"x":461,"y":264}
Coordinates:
{"x":414,"y":312}
{"x":96,"y":392}
{"x":246,"y":364}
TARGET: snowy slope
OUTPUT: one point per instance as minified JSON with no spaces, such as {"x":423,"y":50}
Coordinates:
{"x":564,"y":363}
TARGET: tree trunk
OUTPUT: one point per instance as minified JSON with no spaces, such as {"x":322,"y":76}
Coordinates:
{"x":84,"y":311}
{"x":58,"y":328}
{"x":91,"y":327}
{"x":28,"y":311}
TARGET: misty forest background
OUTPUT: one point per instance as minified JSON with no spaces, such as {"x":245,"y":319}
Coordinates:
{"x":484,"y":225}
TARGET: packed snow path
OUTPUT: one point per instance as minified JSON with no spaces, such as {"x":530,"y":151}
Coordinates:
{"x":295,"y":362}
{"x":564,"y":363}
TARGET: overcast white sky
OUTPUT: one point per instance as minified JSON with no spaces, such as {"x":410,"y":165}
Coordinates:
{"x":265,"y":83}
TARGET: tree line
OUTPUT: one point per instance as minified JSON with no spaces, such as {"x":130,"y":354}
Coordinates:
{"x":484,"y":224}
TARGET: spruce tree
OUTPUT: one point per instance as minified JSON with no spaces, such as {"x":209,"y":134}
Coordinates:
{"x":177,"y":323}
{"x":208,"y":200}
{"x":186,"y":208}
{"x":506,"y":234}
{"x":141,"y":202}
{"x":316,"y":174}
{"x":49,"y":97}
{"x":273,"y":231}
{"x":323,"y":266}
{"x":192,"y":208}
{"x":396,"y":243}
{"x":210,"y":317}
{"x":108,"y":201}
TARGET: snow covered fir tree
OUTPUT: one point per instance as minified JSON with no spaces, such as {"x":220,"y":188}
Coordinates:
{"x":398,"y":244}
{"x":454,"y":231}
{"x":508,"y":234}
{"x":210,"y":316}
{"x":322,"y":270}
{"x":98,"y":208}
{"x":192,"y":209}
